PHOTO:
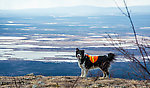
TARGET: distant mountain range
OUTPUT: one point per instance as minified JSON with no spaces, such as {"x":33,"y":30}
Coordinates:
{"x":75,"y":11}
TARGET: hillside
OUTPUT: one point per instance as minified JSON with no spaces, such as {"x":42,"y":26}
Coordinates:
{"x":75,"y":11}
{"x":39,"y":81}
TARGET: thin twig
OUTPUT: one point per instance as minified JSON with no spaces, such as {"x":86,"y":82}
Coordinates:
{"x":75,"y":82}
{"x":120,"y":8}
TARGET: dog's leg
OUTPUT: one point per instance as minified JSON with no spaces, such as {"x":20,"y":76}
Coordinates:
{"x":107,"y":74}
{"x":82,"y":73}
{"x":85,"y":72}
{"x":104,"y":74}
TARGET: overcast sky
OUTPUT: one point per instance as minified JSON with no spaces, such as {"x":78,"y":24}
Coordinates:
{"x":24,"y":4}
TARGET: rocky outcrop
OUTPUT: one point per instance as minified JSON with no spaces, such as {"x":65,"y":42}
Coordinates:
{"x":69,"y":82}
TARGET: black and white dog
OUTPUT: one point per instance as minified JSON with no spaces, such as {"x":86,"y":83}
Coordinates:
{"x":87,"y":62}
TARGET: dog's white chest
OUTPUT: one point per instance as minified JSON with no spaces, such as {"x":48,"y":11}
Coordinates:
{"x":81,"y":65}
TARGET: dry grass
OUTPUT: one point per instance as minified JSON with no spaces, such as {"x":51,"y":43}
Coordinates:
{"x":68,"y":82}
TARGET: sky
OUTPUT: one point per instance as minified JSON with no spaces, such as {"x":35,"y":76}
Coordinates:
{"x":26,"y":4}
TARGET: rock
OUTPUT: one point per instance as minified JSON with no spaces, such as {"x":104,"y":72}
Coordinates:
{"x":100,"y":85}
{"x":41,"y":83}
{"x":34,"y":86}
{"x":1,"y":83}
{"x":31,"y":74}
{"x":148,"y":83}
{"x":97,"y":85}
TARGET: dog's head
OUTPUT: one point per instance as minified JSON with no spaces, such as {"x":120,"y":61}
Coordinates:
{"x":79,"y":54}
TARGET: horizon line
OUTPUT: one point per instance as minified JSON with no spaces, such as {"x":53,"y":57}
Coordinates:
{"x":75,"y":6}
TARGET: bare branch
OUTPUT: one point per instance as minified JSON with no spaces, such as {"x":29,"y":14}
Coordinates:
{"x":120,"y":8}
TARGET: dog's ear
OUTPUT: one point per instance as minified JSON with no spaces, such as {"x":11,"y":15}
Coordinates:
{"x":77,"y":49}
{"x":111,"y":55}
{"x":82,"y":52}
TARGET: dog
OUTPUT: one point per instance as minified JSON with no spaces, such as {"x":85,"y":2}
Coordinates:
{"x":87,"y":62}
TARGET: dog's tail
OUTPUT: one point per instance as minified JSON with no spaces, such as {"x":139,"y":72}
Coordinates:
{"x":111,"y":57}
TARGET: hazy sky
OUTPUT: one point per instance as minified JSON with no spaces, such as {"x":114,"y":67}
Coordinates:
{"x":24,"y":4}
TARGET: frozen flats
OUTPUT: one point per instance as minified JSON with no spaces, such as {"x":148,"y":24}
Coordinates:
{"x":9,"y":54}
